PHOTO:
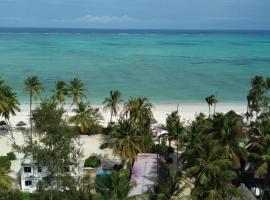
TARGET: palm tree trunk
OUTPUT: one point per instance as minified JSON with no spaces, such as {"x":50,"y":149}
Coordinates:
{"x":111,"y":116}
{"x":215,"y":108}
{"x":209,"y":110}
{"x":31,"y":125}
{"x":177,"y":150}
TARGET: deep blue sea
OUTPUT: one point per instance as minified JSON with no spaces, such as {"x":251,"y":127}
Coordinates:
{"x":164,"y":65}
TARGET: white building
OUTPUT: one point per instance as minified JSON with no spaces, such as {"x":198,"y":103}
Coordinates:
{"x":32,"y":172}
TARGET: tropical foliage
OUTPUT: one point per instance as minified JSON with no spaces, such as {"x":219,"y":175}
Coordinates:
{"x":112,"y":103}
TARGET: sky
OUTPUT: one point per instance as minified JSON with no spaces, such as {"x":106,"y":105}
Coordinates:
{"x":137,"y":14}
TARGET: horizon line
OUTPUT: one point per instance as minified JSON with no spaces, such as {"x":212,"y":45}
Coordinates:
{"x":152,"y":29}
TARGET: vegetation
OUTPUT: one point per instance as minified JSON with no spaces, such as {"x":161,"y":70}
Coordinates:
{"x":34,"y":87}
{"x":86,"y":118}
{"x":104,"y":146}
{"x":60,"y":93}
{"x":92,"y":161}
{"x":11,"y":156}
{"x":9,"y":103}
{"x":5,"y":162}
{"x":112,"y":103}
{"x":218,"y":152}
{"x":119,"y":186}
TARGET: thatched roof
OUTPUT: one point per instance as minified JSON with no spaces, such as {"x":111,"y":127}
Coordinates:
{"x":21,"y":123}
{"x":246,"y":193}
{"x":3,"y":123}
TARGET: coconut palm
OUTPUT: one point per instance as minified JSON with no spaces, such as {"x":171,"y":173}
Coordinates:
{"x":76,"y":91}
{"x":210,"y":100}
{"x":120,"y":186}
{"x":9,"y":103}
{"x":229,"y":131}
{"x":85,"y":116}
{"x":173,"y":126}
{"x":32,"y":85}
{"x":146,"y":141}
{"x":60,"y":92}
{"x":125,"y":142}
{"x":112,"y":103}
{"x":212,"y":173}
{"x":140,"y":111}
{"x":5,"y":179}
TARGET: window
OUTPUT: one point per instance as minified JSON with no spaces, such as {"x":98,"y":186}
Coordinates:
{"x":28,"y":183}
{"x":27,"y":169}
{"x":39,"y":169}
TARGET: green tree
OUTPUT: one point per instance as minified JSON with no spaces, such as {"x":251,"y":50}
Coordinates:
{"x":112,"y":103}
{"x":173,"y":126}
{"x":210,"y":100}
{"x":5,"y":179}
{"x":229,"y":131}
{"x":60,"y":92}
{"x":140,"y":111}
{"x":125,"y":142}
{"x":9,"y":103}
{"x":76,"y":91}
{"x":85,"y":117}
{"x":119,"y":187}
{"x":32,"y":85}
{"x":212,"y":173}
{"x":57,"y":141}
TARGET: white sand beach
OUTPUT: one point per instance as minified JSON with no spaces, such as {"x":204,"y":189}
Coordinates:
{"x":90,"y":144}
{"x":187,"y":111}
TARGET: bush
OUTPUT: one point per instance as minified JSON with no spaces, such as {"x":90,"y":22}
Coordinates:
{"x":92,"y":161}
{"x":170,"y":150}
{"x":160,"y":149}
{"x":104,"y":146}
{"x":11,"y":156}
{"x":5,"y":162}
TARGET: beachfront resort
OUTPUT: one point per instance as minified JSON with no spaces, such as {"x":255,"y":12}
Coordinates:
{"x":64,"y":148}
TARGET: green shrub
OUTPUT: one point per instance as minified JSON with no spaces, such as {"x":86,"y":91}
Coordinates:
{"x":92,"y":161}
{"x":170,"y":150}
{"x":161,"y":149}
{"x":5,"y":162}
{"x":104,"y":146}
{"x":11,"y":156}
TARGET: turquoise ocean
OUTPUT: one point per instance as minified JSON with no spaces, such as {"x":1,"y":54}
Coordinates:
{"x":166,"y":66}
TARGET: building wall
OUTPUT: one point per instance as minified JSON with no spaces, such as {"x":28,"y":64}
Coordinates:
{"x":34,"y":176}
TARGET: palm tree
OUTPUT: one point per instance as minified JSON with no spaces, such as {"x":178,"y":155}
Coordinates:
{"x":76,"y":91}
{"x":112,"y":102}
{"x":210,"y":100}
{"x":60,"y":92}
{"x":173,"y":126}
{"x":211,"y":172}
{"x":5,"y":179}
{"x":34,"y":87}
{"x":85,"y":116}
{"x":215,"y":101}
{"x":125,"y":142}
{"x":140,"y":111}
{"x":229,"y":131}
{"x":9,"y":103}
{"x":120,"y":186}
{"x":146,"y":141}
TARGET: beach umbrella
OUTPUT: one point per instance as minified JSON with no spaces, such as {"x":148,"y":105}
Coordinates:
{"x":3,"y":123}
{"x":21,"y":124}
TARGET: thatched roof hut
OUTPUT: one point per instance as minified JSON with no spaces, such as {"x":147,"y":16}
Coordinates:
{"x":21,"y":124}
